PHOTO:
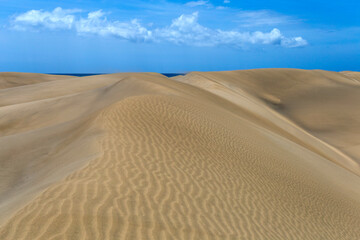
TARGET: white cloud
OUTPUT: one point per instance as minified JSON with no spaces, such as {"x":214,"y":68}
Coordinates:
{"x":261,"y":18}
{"x":184,"y":30}
{"x":57,"y":19}
{"x":96,"y":23}
{"x":294,"y":42}
{"x":198,"y":3}
{"x":187,"y":30}
{"x":226,"y":1}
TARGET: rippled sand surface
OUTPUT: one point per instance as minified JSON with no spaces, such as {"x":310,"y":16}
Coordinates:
{"x":255,"y":154}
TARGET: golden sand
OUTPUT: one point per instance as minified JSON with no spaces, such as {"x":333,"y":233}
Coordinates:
{"x":256,"y":154}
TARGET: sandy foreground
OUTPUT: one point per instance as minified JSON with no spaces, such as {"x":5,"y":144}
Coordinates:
{"x":255,"y":154}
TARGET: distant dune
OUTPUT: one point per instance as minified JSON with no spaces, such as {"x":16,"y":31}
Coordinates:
{"x":14,"y":79}
{"x":255,"y":154}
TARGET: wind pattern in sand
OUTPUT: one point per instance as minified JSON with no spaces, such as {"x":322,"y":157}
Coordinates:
{"x":180,"y":161}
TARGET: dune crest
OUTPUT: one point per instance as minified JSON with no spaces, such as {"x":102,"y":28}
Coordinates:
{"x":15,"y":79}
{"x":257,"y":154}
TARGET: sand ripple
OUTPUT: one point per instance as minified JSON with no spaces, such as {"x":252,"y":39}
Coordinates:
{"x":177,"y":165}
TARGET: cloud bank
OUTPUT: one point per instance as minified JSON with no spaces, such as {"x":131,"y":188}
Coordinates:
{"x":262,"y":18}
{"x":57,"y":19}
{"x":197,"y":3}
{"x":96,"y":23}
{"x":184,"y":30}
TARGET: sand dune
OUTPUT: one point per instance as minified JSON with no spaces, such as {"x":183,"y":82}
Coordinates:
{"x":306,"y":104}
{"x":15,"y":79}
{"x":355,"y":76}
{"x":257,"y":154}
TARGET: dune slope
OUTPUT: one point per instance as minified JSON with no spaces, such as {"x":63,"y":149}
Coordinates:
{"x":14,"y":79}
{"x":227,"y":155}
{"x":317,"y":108}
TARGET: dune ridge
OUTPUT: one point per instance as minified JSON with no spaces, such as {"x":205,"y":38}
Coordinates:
{"x":251,"y":154}
{"x":255,"y":91}
{"x":16,"y":79}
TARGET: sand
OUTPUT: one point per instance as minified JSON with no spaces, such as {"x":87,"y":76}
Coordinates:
{"x":255,"y":154}
{"x":15,"y":79}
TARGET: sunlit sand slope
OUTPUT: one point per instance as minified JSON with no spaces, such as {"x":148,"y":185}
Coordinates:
{"x":355,"y":76}
{"x":14,"y":79}
{"x":141,"y":156}
{"x":305,"y":104}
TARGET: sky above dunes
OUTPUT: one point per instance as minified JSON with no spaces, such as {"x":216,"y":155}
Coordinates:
{"x":86,"y":36}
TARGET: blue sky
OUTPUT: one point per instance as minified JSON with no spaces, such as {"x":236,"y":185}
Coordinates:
{"x":86,"y":36}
